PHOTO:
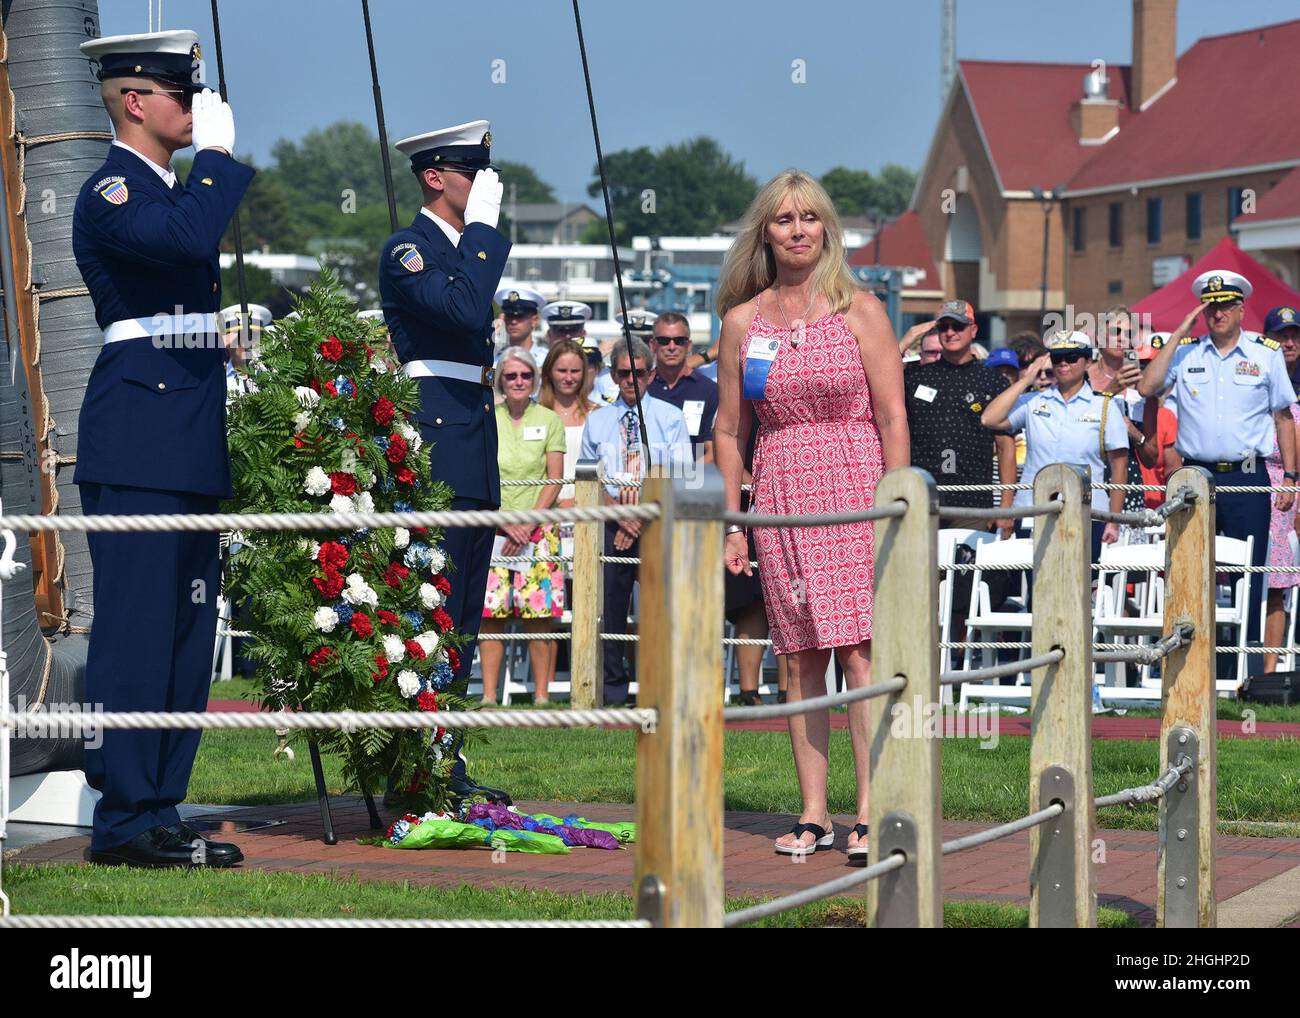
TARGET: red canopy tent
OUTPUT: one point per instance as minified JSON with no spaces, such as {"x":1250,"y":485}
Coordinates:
{"x":1169,"y":305}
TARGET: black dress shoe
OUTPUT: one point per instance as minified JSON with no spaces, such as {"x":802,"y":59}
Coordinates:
{"x":468,"y":788}
{"x":217,"y":854}
{"x":156,"y":847}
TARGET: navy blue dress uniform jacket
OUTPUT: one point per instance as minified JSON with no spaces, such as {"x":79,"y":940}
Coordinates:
{"x":437,"y":301}
{"x":154,"y":413}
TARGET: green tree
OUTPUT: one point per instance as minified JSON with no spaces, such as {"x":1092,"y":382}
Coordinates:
{"x":858,"y":192}
{"x":894,"y":187}
{"x":687,"y":189}
{"x":262,"y":289}
{"x":529,"y":187}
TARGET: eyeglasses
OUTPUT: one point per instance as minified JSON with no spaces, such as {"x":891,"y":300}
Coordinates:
{"x":518,"y":376}
{"x":1068,"y":357}
{"x":948,"y":325}
{"x":673,"y":340}
{"x":623,"y":374}
{"x":184,"y":97}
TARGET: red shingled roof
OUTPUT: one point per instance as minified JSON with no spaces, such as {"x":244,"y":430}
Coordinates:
{"x":902,"y":242}
{"x":1024,"y":112}
{"x":1283,"y":202}
{"x":1232,"y":106}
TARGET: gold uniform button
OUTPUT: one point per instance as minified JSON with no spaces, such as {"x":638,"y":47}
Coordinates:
{"x":483,"y":255}
{"x":162,"y":385}
{"x":487,"y":408}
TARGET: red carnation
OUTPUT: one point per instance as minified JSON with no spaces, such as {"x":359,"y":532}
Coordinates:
{"x":331,"y":388}
{"x":442,"y":584}
{"x":453,"y":658}
{"x":332,"y":555}
{"x":415,"y":650}
{"x":332,"y":349}
{"x":396,"y":449}
{"x":395,"y":574}
{"x":330,"y":585}
{"x":298,"y":443}
{"x":405,"y":475}
{"x":427,"y":701}
{"x":361,"y":625}
{"x":421,"y":531}
{"x":319,"y":657}
{"x":315,"y":385}
{"x":343,"y":483}
{"x":381,"y":666}
{"x":387,"y":617}
{"x":382,"y":411}
{"x":441,"y":619}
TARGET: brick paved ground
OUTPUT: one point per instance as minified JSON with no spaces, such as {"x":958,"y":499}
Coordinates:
{"x":997,"y":872}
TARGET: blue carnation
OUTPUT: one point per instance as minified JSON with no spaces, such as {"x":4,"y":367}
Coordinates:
{"x":414,"y":618}
{"x":361,"y":534}
{"x":382,"y":442}
{"x":337,"y":423}
{"x":400,"y":829}
{"x":402,"y":507}
{"x":344,"y":613}
{"x":386,"y":483}
{"x":441,"y":677}
{"x":345,"y":386}
{"x":418,"y":555}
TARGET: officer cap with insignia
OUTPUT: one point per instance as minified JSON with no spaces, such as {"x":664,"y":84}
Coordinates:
{"x":591,"y":347}
{"x":173,"y":57}
{"x":465,"y":146}
{"x":1065,"y":341}
{"x":566,"y":314}
{"x":519,"y":300}
{"x":371,"y":314}
{"x":640,"y":322}
{"x":259,"y":317}
{"x":1284,"y":317}
{"x":1219,"y":286}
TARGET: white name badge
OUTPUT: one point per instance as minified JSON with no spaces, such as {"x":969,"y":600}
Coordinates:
{"x":693,"y":411}
{"x":535,"y":434}
{"x":926,"y":393}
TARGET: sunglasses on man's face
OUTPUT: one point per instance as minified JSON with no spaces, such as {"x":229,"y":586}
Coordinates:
{"x":183,"y":96}
{"x":673,"y":340}
{"x":623,"y":374}
{"x":518,"y":376}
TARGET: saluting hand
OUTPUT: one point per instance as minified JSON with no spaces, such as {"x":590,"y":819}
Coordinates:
{"x":214,"y":123}
{"x":484,"y":202}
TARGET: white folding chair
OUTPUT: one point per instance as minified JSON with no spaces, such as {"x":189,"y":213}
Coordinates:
{"x":983,"y":622}
{"x":1117,"y":617}
{"x":950,"y":539}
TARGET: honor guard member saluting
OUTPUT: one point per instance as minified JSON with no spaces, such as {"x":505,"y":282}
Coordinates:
{"x":152,"y":437}
{"x":437,"y":278}
{"x":1234,"y":400}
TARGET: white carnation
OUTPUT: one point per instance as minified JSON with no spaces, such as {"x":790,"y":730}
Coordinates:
{"x":326,"y":619}
{"x":428,"y":642}
{"x":358,"y":591}
{"x":378,"y":365}
{"x":317,"y":482}
{"x":408,"y":683}
{"x":364,"y":502}
{"x":301,"y":420}
{"x":401,"y":537}
{"x":340,"y":504}
{"x":394,"y":649}
{"x":348,"y":461}
{"x":405,"y":429}
{"x":430,"y":596}
{"x":437,"y":560}
{"x":307,"y":398}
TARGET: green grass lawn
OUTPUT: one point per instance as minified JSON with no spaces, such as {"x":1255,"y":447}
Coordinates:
{"x":96,"y":890}
{"x":1259,"y":779}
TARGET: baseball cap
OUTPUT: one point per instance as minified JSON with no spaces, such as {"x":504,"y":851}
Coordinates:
{"x":957,"y":310}
{"x":1280,"y":318}
{"x":1003,"y":356}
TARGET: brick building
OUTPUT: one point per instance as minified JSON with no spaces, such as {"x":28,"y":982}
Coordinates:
{"x":1136,"y":170}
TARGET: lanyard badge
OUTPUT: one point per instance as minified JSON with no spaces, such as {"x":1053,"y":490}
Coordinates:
{"x":759,"y":355}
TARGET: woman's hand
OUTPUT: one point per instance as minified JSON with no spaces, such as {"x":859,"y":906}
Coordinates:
{"x":736,"y":552}
{"x":1110,"y":533}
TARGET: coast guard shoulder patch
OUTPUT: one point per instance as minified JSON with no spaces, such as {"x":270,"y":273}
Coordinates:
{"x":408,"y":256}
{"x":113,"y":190}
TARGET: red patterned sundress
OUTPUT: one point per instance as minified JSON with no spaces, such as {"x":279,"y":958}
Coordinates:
{"x":818,"y":451}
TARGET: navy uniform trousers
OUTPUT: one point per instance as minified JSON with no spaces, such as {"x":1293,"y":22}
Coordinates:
{"x":151,"y":648}
{"x":619,"y":579}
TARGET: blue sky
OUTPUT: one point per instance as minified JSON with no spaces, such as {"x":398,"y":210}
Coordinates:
{"x":662,"y":70}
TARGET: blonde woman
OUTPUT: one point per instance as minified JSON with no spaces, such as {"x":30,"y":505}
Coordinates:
{"x":815,"y":357}
{"x":566,"y":389}
{"x":530,"y":447}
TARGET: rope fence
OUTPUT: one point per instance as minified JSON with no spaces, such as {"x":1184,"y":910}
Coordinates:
{"x":831,"y":700}
{"x":1148,"y":793}
{"x":1003,"y":830}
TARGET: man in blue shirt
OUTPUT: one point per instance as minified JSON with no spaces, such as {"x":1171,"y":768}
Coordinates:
{"x":613,"y":435}
{"x":152,"y":437}
{"x":437,"y":278}
{"x":1234,"y":405}
{"x":693,"y":394}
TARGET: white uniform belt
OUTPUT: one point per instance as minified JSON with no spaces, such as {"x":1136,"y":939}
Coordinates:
{"x":171,"y":328}
{"x":450,"y":369}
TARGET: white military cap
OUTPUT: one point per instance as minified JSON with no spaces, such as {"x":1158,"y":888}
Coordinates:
{"x":1064,"y":339}
{"x":566,"y":313}
{"x":468,"y":145}
{"x":172,"y":56}
{"x":1219,"y":286}
{"x":519,"y":298}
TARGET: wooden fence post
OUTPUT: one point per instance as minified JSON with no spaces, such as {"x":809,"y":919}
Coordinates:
{"x":1185,"y":849}
{"x":586,"y":679}
{"x":1062,"y":891}
{"x":906,"y":809}
{"x":679,"y":673}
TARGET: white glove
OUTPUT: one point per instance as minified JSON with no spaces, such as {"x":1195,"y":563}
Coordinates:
{"x":484,"y":202}
{"x":214,"y":123}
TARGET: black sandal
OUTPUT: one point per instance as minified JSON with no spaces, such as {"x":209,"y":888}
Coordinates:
{"x":860,"y":850}
{"x":824,"y":839}
{"x":780,"y":696}
{"x":749,"y":698}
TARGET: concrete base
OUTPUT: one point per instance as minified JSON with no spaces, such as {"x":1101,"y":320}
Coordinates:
{"x":55,"y":797}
